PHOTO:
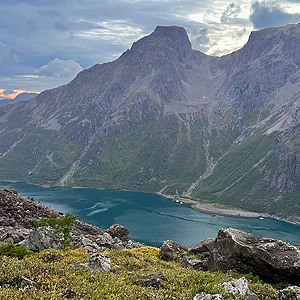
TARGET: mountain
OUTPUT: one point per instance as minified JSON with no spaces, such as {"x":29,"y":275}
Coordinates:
{"x":164,"y":117}
{"x":18,"y":98}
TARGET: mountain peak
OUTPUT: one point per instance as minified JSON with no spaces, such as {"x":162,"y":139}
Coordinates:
{"x":165,"y":37}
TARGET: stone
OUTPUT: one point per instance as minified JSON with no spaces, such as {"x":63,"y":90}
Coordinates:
{"x":119,"y":231}
{"x":23,"y":281}
{"x":88,"y":244}
{"x":99,"y":262}
{"x":240,"y":288}
{"x":154,"y":280}
{"x":237,"y":251}
{"x":194,"y":264}
{"x":204,"y":296}
{"x":43,"y":238}
{"x":289,"y":293}
{"x":171,"y":250}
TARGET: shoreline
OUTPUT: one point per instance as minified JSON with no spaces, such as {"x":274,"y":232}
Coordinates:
{"x":212,"y":209}
{"x":220,"y":210}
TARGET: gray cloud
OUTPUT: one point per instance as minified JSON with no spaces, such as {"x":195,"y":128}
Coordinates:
{"x":231,"y":11}
{"x":41,"y":37}
{"x":268,"y":14}
{"x":199,"y":37}
{"x":60,"y":68}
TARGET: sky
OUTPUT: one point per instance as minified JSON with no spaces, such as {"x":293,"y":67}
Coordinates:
{"x":45,"y":43}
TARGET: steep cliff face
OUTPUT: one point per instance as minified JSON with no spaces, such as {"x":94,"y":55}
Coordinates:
{"x":166,"y":117}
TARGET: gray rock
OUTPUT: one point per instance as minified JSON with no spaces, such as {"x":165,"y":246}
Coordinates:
{"x":98,"y":262}
{"x":88,"y":244}
{"x":240,"y":288}
{"x":119,"y":231}
{"x":234,"y":250}
{"x":290,"y":293}
{"x":43,"y":238}
{"x":171,"y":250}
{"x":154,"y":280}
{"x":204,"y":296}
{"x":194,"y":264}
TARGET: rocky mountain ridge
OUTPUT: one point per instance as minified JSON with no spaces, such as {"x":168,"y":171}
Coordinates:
{"x":164,"y":117}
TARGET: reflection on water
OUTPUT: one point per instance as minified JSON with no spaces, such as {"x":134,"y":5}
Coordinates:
{"x":149,"y":218}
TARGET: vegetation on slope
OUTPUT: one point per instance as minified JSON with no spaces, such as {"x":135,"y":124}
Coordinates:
{"x":59,"y":277}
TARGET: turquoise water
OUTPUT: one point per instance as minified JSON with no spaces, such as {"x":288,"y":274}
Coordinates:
{"x":150,"y":218}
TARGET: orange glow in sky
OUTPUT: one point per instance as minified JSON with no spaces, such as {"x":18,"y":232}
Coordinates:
{"x":14,"y":94}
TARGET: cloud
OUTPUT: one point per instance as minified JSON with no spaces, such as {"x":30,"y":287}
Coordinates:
{"x":269,"y":14}
{"x":60,"y":68}
{"x":231,"y":11}
{"x":199,"y":37}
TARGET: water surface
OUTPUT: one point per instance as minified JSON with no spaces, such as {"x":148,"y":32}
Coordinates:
{"x":150,"y":218}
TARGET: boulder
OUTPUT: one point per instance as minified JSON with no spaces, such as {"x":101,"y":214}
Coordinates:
{"x":98,"y":262}
{"x":204,"y":296}
{"x":240,"y":288}
{"x":118,"y":231}
{"x":290,"y":293}
{"x":194,"y":264}
{"x":171,"y":250}
{"x":154,"y":280}
{"x":237,"y":251}
{"x":43,"y":238}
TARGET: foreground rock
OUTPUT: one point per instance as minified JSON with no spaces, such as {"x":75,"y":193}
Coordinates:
{"x":237,"y":251}
{"x":290,"y":293}
{"x":171,"y":250}
{"x":204,"y":296}
{"x":43,"y":238}
{"x":153,"y":280}
{"x":99,"y":263}
{"x":239,"y":288}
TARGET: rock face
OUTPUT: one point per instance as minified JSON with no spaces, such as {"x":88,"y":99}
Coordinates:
{"x":171,"y":250}
{"x":43,"y":238}
{"x":177,"y":114}
{"x":235,"y":250}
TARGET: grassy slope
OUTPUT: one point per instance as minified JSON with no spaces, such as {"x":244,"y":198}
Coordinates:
{"x":53,"y":269}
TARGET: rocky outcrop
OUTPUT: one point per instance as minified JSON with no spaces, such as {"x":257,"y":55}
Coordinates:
{"x":237,"y":251}
{"x":171,"y":250}
{"x":43,"y":238}
{"x":17,"y":216}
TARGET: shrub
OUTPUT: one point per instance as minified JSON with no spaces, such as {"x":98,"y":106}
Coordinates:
{"x":11,"y":250}
{"x":60,"y":225}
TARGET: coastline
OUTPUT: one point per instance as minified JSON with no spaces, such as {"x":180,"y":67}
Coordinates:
{"x":212,"y":208}
{"x":218,"y":209}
